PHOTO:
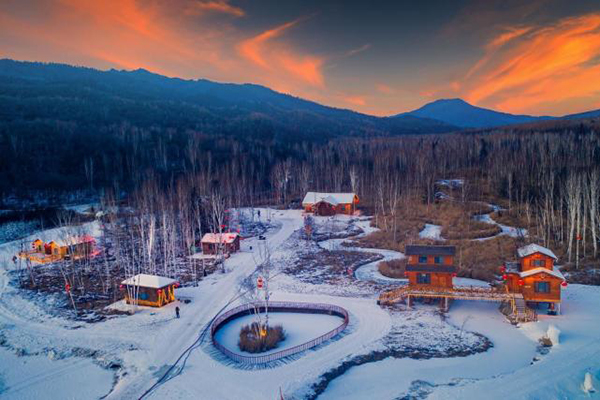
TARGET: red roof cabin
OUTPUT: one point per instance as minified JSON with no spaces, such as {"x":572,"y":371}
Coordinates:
{"x":326,"y":204}
{"x":229,"y":242}
{"x":535,"y":276}
{"x":430,"y":266}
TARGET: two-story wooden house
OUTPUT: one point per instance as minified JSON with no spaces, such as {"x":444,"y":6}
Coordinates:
{"x":430,"y":266}
{"x":535,"y":276}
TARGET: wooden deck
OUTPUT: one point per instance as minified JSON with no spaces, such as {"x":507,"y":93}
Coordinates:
{"x":520,"y":312}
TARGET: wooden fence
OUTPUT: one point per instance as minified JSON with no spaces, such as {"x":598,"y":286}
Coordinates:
{"x":276,"y":306}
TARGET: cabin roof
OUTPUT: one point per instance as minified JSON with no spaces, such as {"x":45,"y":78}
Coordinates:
{"x":535,"y":248}
{"x":423,"y":250}
{"x":149,"y":281}
{"x":330,"y":200}
{"x":72,"y":240}
{"x":215,"y":238}
{"x":431,"y":268}
{"x":340,"y":198}
{"x":554,"y":272}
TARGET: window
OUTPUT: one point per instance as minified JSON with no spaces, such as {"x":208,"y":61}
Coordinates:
{"x":437,"y":260}
{"x":422,"y":259}
{"x":424,"y":279}
{"x":539,"y":263}
{"x":542,"y":287}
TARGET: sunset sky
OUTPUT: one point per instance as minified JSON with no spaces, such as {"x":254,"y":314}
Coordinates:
{"x":533,"y":57}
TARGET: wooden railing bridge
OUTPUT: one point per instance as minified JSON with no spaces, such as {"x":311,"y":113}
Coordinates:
{"x":520,"y":311}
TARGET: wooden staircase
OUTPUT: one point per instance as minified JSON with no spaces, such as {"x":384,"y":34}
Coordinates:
{"x":520,"y":311}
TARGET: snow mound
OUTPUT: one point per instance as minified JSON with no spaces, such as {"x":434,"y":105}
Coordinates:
{"x":553,"y":334}
{"x":588,"y":384}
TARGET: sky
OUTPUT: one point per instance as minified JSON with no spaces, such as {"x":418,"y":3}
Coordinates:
{"x":539,"y":57}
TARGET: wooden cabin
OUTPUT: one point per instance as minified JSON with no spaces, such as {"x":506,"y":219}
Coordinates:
{"x":211,"y":242}
{"x":535,"y":276}
{"x":150,"y":290}
{"x":56,"y":250}
{"x":330,"y":203}
{"x":430,"y":266}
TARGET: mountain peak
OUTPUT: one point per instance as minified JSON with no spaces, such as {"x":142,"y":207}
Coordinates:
{"x":458,"y":112}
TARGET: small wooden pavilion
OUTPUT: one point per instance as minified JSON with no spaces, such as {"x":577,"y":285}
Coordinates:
{"x":535,"y":276}
{"x":211,"y":242}
{"x":150,"y":290}
{"x":330,"y":203}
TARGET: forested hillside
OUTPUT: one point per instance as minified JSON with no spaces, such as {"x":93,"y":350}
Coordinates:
{"x":68,"y":128}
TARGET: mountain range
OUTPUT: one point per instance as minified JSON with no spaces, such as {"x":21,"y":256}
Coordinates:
{"x":31,"y":90}
{"x":42,"y":91}
{"x":459,"y":113}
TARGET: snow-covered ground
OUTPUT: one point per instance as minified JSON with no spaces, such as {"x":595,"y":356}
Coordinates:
{"x":431,"y":232}
{"x":46,"y":356}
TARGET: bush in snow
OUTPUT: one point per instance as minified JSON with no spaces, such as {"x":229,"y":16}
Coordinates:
{"x":252,"y":342}
{"x":588,"y":385}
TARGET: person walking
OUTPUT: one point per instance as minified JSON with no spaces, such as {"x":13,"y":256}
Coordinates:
{"x":177,"y":311}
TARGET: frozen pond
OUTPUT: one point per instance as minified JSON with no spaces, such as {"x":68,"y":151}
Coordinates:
{"x":299,"y":328}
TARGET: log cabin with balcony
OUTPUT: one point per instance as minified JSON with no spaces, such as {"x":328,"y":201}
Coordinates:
{"x":430,"y":266}
{"x":536,"y":277}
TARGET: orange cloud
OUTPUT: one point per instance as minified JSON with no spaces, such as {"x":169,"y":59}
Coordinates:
{"x":385,"y":89}
{"x":355,"y":100}
{"x":254,"y":48}
{"x":272,"y":56}
{"x":531,"y":66}
{"x":200,"y":7}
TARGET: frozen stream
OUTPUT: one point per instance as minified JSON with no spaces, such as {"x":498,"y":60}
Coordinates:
{"x":368,"y":272}
{"x":299,"y":328}
{"x":506,"y":230}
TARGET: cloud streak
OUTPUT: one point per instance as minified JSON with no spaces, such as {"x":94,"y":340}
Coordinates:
{"x":264,"y":51}
{"x":534,"y":66}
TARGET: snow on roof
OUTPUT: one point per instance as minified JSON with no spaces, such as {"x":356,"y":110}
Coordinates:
{"x":149,"y":281}
{"x":331,"y":200}
{"x":72,"y":240}
{"x":226,"y":238}
{"x":535,"y":248}
{"x":554,"y":272}
{"x":340,"y":198}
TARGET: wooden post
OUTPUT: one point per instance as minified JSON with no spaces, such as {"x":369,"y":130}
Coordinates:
{"x":409,"y":301}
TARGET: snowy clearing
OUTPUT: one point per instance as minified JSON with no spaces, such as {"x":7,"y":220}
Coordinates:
{"x":430,"y":355}
{"x":431,"y":232}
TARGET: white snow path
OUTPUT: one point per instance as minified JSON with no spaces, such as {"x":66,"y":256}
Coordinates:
{"x":506,"y":230}
{"x":431,"y":231}
{"x":207,"y":299}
